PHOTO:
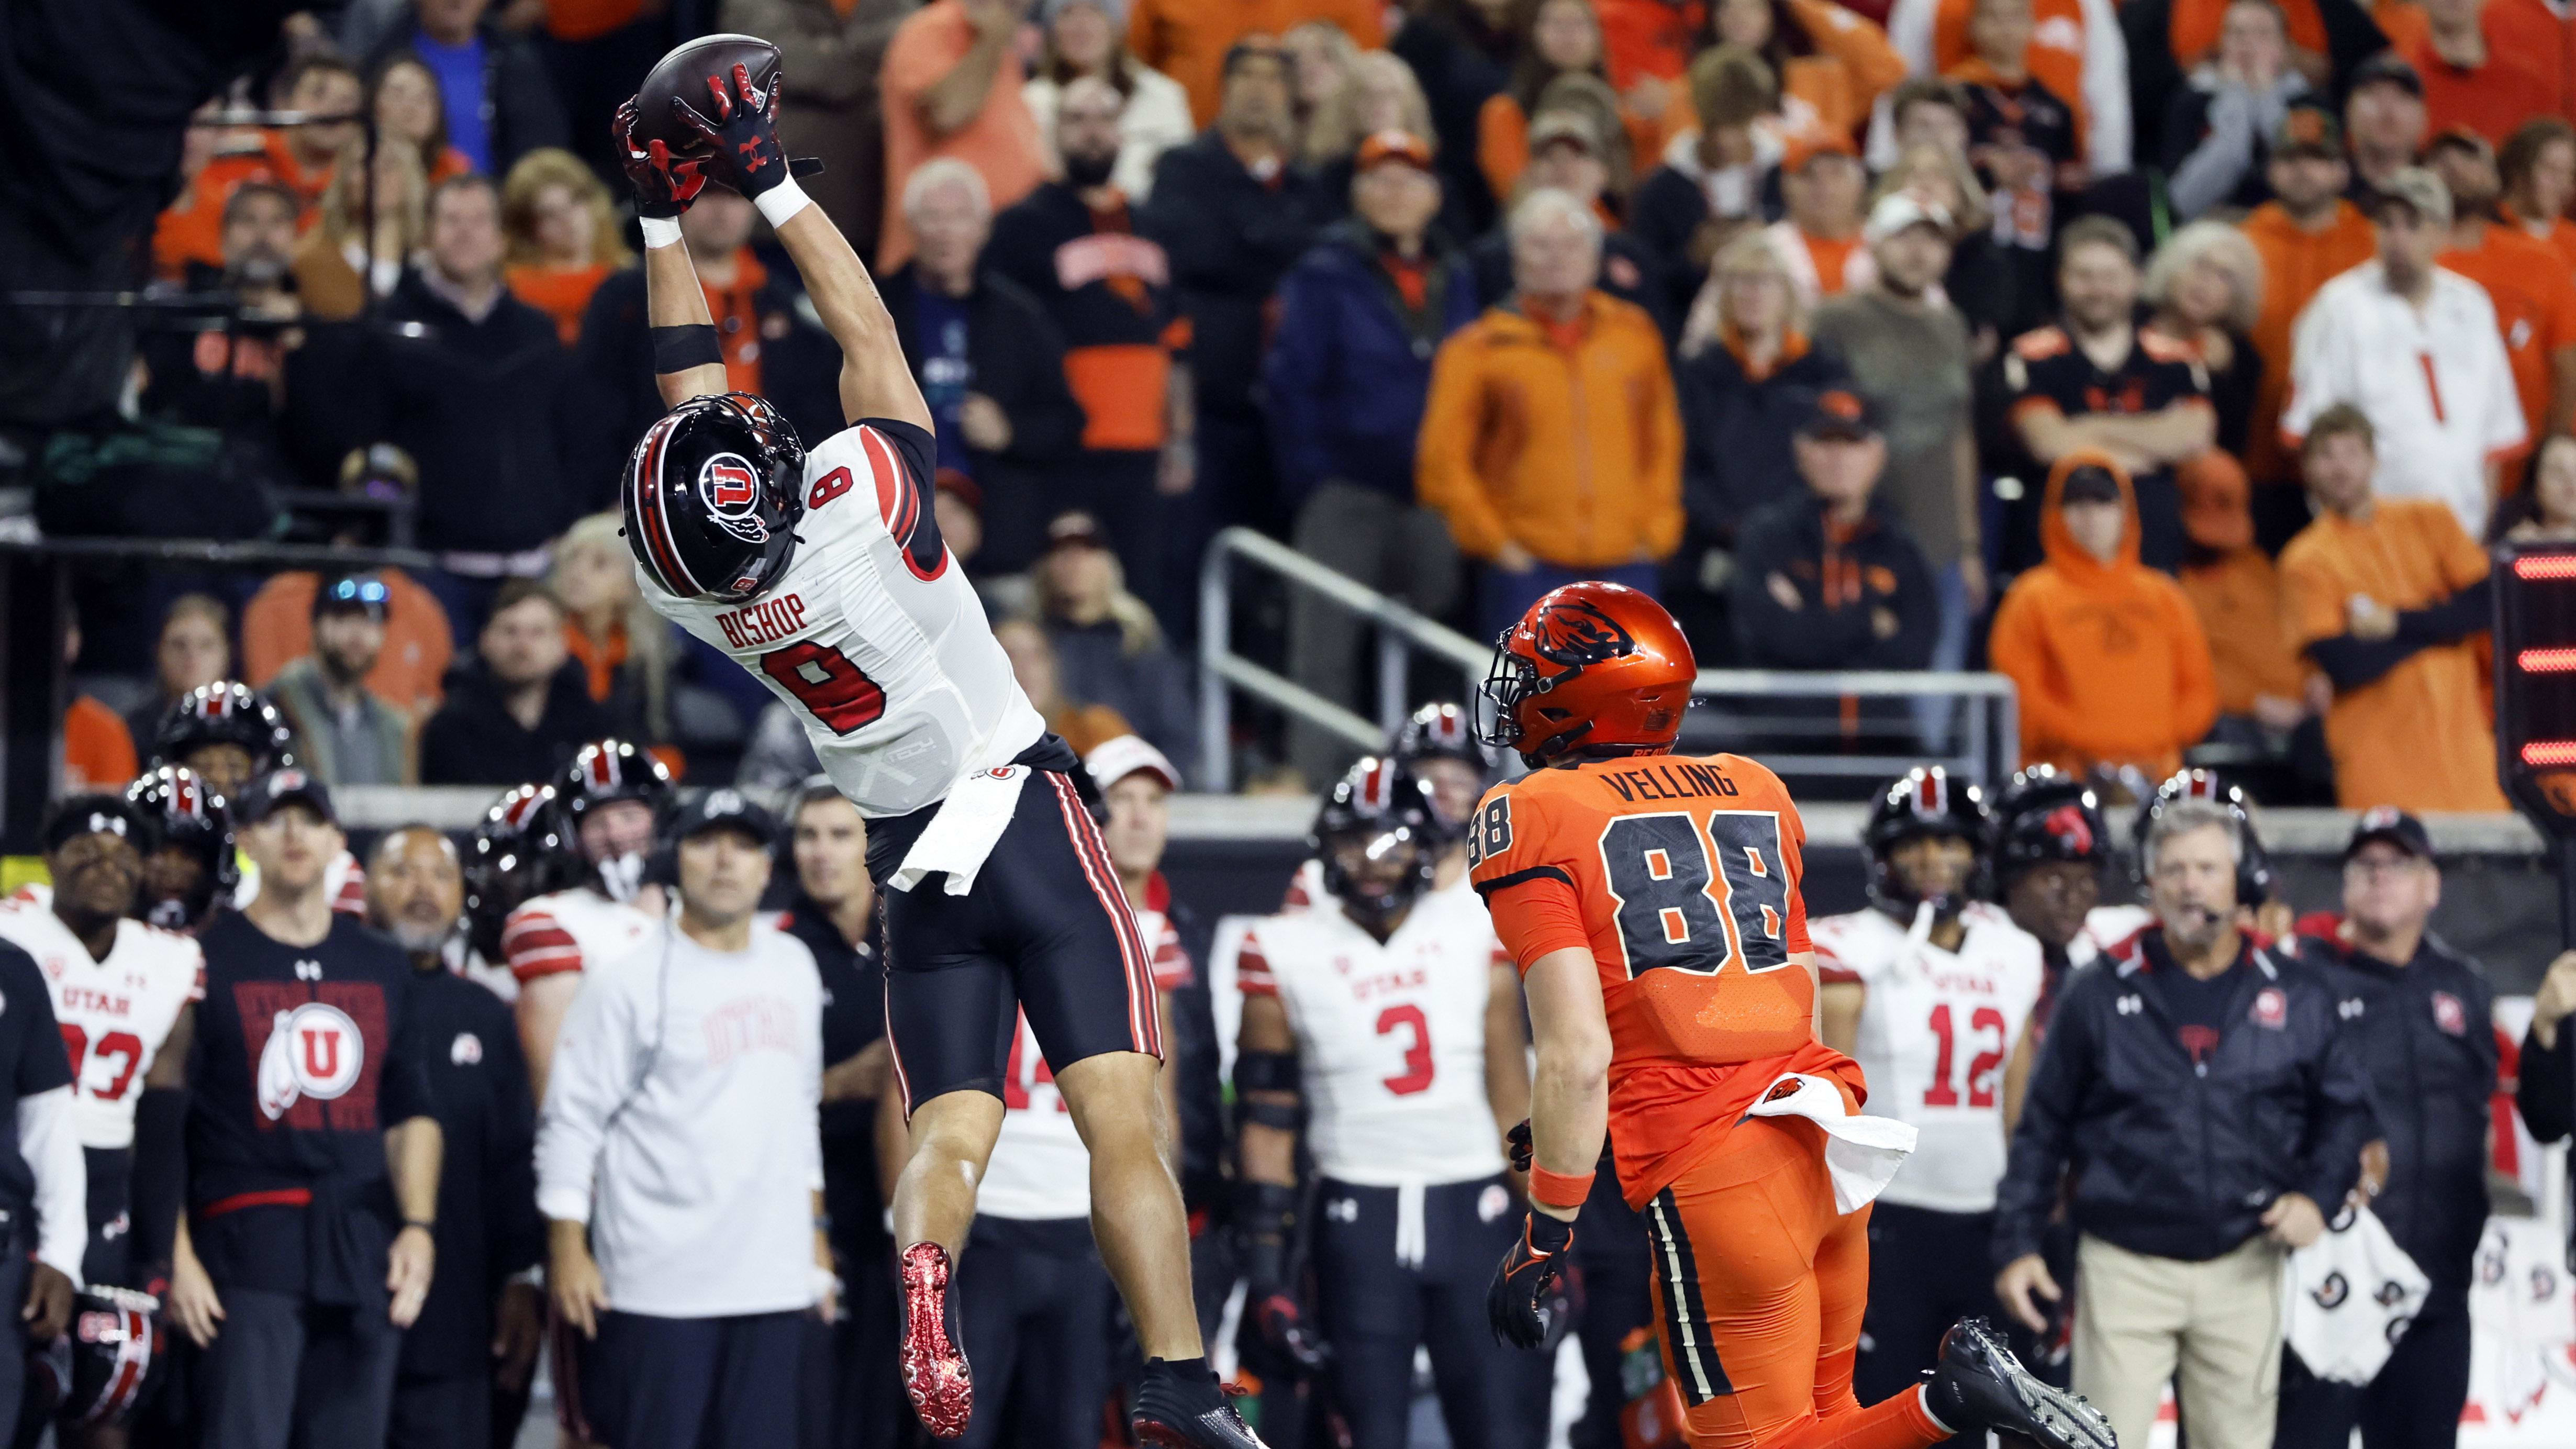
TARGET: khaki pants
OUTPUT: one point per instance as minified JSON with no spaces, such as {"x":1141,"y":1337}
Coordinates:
{"x":2139,"y":1319}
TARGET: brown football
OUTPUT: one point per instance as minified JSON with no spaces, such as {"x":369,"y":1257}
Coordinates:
{"x":683,"y":75}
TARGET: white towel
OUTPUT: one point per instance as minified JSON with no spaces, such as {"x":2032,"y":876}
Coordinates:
{"x":1412,"y":1242}
{"x":978,"y":809}
{"x":1861,"y":1153}
{"x":2349,"y":1297}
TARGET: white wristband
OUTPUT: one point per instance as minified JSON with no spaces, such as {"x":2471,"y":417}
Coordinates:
{"x":659,"y":231}
{"x":782,"y":201}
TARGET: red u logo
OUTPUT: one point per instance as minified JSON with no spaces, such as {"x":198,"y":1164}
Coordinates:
{"x":322,"y":1053}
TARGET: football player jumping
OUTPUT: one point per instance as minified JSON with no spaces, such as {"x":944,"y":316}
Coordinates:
{"x":823,"y":573}
{"x":1652,"y":903}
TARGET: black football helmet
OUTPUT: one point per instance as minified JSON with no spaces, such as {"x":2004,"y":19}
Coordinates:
{"x":1443,"y":732}
{"x":95,"y":1373}
{"x":2046,"y":816}
{"x":712,"y":496}
{"x":193,"y":825}
{"x":1926,"y":802}
{"x":604,"y":771}
{"x":519,"y":852}
{"x":226,"y":712}
{"x":1378,"y":807}
{"x":2255,"y":877}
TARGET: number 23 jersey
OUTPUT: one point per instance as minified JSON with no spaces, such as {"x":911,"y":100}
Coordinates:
{"x":1680,"y":875}
{"x":115,"y":1014}
{"x":873,"y":637}
{"x":1936,"y":1031}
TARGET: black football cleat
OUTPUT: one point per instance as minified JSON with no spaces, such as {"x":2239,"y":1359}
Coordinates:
{"x":1980,"y":1385}
{"x":1182,"y":1406}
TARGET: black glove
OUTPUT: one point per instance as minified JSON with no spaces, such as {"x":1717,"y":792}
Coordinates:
{"x":1264,"y":1214}
{"x":1524,"y":1296}
{"x":1524,"y":1150}
{"x":744,"y":130}
{"x":663,"y":187}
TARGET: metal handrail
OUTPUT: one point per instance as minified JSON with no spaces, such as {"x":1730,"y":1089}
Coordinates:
{"x":1988,"y":739}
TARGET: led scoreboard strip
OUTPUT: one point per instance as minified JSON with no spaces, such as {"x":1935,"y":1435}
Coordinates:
{"x":2535,"y":697}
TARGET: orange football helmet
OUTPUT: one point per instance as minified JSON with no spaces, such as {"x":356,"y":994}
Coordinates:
{"x":1591,"y":668}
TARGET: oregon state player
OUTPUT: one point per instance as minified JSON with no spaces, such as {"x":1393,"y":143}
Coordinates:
{"x":1652,"y":903}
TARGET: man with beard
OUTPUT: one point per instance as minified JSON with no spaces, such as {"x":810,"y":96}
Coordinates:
{"x":2525,"y":277}
{"x":351,"y":735}
{"x":466,"y":1360}
{"x":2202,"y":1095}
{"x":1072,"y":244}
{"x":2095,"y":380}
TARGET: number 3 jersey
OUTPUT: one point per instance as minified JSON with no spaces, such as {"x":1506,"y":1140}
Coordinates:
{"x":872,"y":635}
{"x":1390,"y":1037}
{"x":115,"y":1014}
{"x":1680,"y":876}
{"x":1936,"y":1031}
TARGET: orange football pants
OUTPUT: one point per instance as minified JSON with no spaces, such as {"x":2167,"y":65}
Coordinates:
{"x":1759,"y":1289}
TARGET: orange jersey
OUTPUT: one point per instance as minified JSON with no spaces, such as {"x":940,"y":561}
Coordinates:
{"x":1680,"y":875}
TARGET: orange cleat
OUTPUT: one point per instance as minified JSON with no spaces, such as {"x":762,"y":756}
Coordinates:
{"x":934,"y":1367}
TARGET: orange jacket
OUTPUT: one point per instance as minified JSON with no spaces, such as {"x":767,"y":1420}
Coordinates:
{"x":2109,"y":659}
{"x":98,"y":753}
{"x":1573,"y":453}
{"x":1187,"y":39}
{"x":2295,"y":264}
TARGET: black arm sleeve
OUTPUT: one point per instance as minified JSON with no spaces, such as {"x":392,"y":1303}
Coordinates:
{"x":2352,"y":663}
{"x":518,"y":1232}
{"x":2545,"y":1085}
{"x":160,"y":1170}
{"x":2462,"y":614}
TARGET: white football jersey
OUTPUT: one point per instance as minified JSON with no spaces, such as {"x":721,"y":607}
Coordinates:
{"x":2106,"y":929}
{"x":1390,"y":1038}
{"x":1040,"y":1169}
{"x":1935,"y":1035}
{"x":570,"y":930}
{"x":886,"y":657}
{"x":115,"y":1014}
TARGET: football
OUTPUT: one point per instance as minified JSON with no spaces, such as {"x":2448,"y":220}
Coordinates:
{"x":683,"y":75}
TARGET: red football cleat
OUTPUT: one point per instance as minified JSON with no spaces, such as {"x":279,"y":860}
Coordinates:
{"x":934,"y":1367}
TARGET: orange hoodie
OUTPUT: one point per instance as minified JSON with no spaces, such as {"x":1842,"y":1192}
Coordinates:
{"x":2109,"y":659}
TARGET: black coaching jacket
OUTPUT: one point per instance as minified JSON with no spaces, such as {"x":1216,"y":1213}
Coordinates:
{"x":2173,"y":1158}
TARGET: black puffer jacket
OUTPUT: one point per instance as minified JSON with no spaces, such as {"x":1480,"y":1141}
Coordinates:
{"x":2425,"y":1034}
{"x":2179,"y":1160}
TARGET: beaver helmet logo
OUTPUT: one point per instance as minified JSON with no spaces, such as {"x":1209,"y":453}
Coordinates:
{"x":1580,"y":633}
{"x":732,"y":493}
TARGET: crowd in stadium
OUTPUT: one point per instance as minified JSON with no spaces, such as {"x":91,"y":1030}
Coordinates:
{"x":2179,"y":360}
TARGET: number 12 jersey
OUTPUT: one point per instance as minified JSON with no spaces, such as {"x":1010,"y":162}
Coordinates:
{"x":872,"y":636}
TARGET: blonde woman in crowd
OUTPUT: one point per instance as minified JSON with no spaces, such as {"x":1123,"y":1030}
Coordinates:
{"x":1089,"y":38}
{"x":2206,"y":286}
{"x":624,"y":648}
{"x":561,"y":226}
{"x":1320,"y":55}
{"x":340,"y":261}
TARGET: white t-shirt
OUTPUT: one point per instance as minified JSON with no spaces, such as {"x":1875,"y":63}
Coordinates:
{"x":115,"y":1014}
{"x":1935,"y":1034}
{"x":873,"y":636}
{"x":1039,"y":1169}
{"x":569,"y":930}
{"x":1390,"y":1038}
{"x":681,"y":1123}
{"x":2435,"y":384}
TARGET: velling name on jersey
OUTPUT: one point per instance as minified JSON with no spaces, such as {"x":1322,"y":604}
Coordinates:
{"x":115,"y":1014}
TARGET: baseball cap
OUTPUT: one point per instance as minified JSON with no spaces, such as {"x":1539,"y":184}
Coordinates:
{"x":349,"y":593}
{"x":1561,"y":124}
{"x":1839,"y":412}
{"x":1075,"y":528}
{"x":1114,"y":760}
{"x":1896,"y":211}
{"x":2088,"y":483}
{"x":2459,"y":138}
{"x":2418,"y":189}
{"x":2217,"y":509}
{"x":1808,"y":145}
{"x":724,"y":808}
{"x":1394,"y":144}
{"x":263,"y":796}
{"x":2387,"y":822}
{"x":2308,"y":130}
{"x":2386,"y":68}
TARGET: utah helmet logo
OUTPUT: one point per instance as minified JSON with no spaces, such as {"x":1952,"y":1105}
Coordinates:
{"x":1580,"y":633}
{"x":731,"y":490}
{"x":2068,"y":826}
{"x":313,"y":1051}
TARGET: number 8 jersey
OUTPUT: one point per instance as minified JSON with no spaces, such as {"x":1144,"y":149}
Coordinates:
{"x":1680,"y":875}
{"x":872,"y":636}
{"x":1936,"y":1031}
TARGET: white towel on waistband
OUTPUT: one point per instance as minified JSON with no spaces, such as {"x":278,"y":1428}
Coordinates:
{"x":978,"y":809}
{"x":1412,"y":1241}
{"x":1861,"y":1153}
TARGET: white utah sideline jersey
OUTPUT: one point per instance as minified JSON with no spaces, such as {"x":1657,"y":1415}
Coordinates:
{"x":883,"y":654}
{"x":572,"y":930}
{"x":1039,"y":1170}
{"x":115,"y":1014}
{"x":1935,"y":1034}
{"x":1390,"y":1038}
{"x":2106,"y":930}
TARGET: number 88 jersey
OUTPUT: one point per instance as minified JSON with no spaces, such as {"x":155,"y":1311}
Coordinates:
{"x":1936,"y":1031}
{"x":1680,"y":875}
